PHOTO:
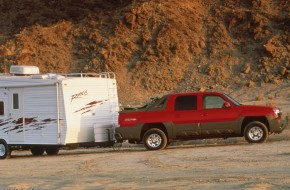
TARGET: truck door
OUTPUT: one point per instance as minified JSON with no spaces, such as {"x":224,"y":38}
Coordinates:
{"x":185,"y":117}
{"x":217,"y":120}
{"x":15,"y":107}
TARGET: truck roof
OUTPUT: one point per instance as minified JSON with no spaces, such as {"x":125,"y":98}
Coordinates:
{"x":192,"y":93}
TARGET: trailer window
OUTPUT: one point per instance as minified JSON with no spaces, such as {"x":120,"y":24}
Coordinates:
{"x":1,"y":108}
{"x":15,"y":101}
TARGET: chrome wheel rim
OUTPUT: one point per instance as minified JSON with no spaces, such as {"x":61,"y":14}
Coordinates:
{"x":2,"y":150}
{"x":154,"y":140}
{"x":256,"y":133}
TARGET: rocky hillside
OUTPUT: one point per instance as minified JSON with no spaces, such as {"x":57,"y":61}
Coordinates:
{"x":154,"y":47}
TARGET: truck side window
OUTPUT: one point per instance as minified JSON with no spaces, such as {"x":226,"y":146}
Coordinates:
{"x":1,"y":108}
{"x":213,"y":102}
{"x":186,"y":103}
{"x":15,"y":101}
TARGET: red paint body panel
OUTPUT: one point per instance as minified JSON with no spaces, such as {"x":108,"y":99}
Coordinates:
{"x":212,"y":116}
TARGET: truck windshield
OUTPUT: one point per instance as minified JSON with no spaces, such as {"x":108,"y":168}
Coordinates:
{"x":232,"y":100}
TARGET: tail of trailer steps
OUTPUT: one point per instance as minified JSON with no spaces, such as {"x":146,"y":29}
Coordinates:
{"x":106,"y":132}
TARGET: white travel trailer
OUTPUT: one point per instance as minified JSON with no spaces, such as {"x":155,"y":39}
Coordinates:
{"x":44,"y":112}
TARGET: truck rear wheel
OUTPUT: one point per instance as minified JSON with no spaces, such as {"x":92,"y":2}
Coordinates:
{"x":154,"y":139}
{"x":256,"y":132}
{"x":37,"y":151}
{"x":4,"y":149}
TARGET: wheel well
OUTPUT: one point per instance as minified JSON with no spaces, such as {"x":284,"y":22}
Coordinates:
{"x":248,"y":120}
{"x":148,"y":126}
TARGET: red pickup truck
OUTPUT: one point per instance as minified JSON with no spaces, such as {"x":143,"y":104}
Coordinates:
{"x":199,"y":115}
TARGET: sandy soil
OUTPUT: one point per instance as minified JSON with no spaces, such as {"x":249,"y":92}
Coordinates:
{"x":236,"y":165}
{"x":202,"y":164}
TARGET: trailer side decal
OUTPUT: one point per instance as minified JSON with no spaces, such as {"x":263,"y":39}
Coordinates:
{"x":88,"y":107}
{"x":16,"y":125}
{"x":79,"y":95}
{"x":4,"y":122}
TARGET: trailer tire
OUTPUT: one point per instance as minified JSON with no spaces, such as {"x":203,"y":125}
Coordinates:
{"x":37,"y":151}
{"x":52,"y":151}
{"x":4,"y":149}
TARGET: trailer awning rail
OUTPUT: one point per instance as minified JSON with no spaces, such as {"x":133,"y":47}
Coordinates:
{"x":110,"y":75}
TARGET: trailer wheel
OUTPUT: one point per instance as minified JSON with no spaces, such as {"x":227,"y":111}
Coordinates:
{"x":52,"y":151}
{"x":4,"y":149}
{"x":155,"y":139}
{"x":37,"y":151}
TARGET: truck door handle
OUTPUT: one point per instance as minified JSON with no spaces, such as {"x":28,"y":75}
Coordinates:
{"x":204,"y":114}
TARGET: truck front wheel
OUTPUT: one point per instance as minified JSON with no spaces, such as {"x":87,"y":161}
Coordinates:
{"x":4,"y":149}
{"x":256,"y":132}
{"x":154,"y":139}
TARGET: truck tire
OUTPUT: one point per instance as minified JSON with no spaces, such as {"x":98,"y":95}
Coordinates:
{"x":52,"y":150}
{"x":256,"y":132}
{"x":154,"y":139}
{"x":37,"y":151}
{"x":4,"y":149}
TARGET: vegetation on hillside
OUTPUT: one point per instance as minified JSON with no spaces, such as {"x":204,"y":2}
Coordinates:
{"x":153,"y":46}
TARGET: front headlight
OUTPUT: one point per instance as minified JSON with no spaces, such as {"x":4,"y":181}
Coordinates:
{"x":277,"y":112}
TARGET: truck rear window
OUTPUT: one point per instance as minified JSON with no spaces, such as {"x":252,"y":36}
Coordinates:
{"x":186,"y":103}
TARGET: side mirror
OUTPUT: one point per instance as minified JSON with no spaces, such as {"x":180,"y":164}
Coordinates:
{"x":227,"y":105}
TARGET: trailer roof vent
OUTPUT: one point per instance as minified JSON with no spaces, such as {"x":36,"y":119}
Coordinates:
{"x":24,"y":70}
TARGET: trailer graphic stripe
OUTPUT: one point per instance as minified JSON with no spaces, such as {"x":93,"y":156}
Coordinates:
{"x":16,"y":125}
{"x":90,"y":105}
{"x":4,"y":122}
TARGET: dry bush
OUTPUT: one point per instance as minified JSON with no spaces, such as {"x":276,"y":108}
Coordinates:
{"x":271,"y":97}
{"x":271,"y":103}
{"x":260,"y":97}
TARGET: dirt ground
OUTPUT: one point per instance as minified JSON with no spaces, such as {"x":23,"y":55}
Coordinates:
{"x":225,"y":164}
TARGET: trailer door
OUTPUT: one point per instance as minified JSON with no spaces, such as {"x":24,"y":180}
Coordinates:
{"x":15,"y":107}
